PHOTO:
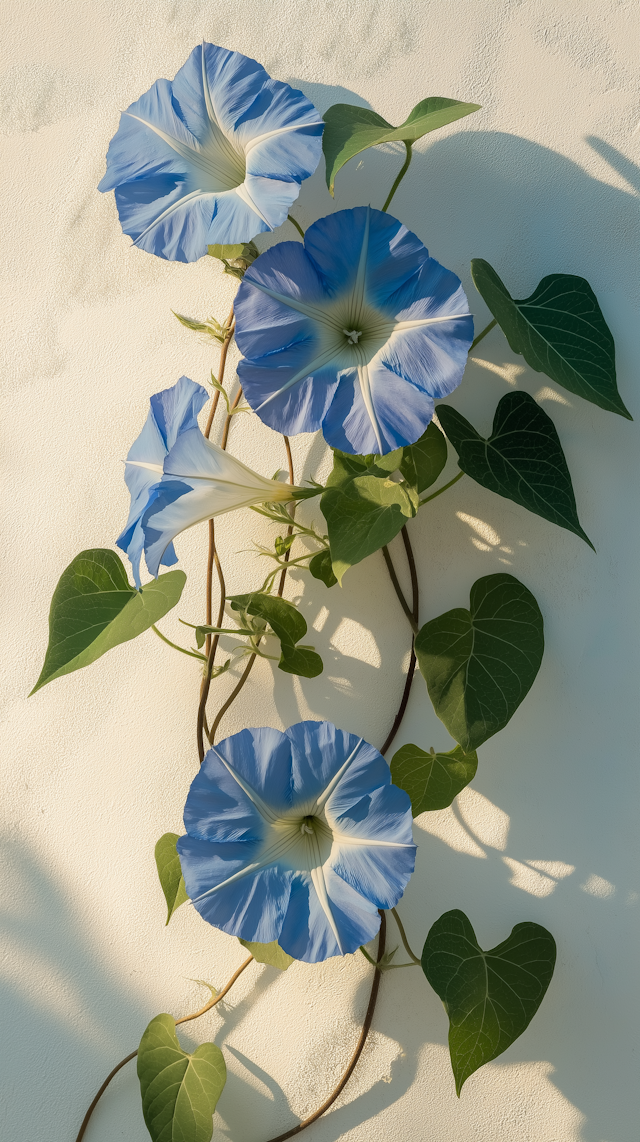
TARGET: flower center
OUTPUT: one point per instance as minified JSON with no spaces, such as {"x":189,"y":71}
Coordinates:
{"x":311,"y":826}
{"x":352,"y":335}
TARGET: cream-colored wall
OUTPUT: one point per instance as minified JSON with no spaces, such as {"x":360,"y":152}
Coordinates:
{"x":96,"y":766}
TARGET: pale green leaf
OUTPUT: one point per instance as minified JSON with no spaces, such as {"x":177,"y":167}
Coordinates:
{"x":350,"y":130}
{"x":170,"y":873}
{"x":94,"y":608}
{"x":179,"y":1091}
{"x":271,"y":954}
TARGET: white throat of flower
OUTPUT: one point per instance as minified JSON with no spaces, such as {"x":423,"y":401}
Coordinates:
{"x":301,"y":839}
{"x":352,"y":332}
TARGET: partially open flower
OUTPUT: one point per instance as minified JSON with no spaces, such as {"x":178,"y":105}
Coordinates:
{"x":298,"y":837}
{"x":201,"y":481}
{"x":172,"y":412}
{"x":355,"y":332}
{"x":212,"y":158}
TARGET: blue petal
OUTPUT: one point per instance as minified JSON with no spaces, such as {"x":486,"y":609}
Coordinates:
{"x":303,"y":406}
{"x":252,"y":907}
{"x":402,"y":413}
{"x":382,"y":814}
{"x":306,"y":932}
{"x":171,"y":412}
{"x":176,"y":227}
{"x":318,"y":752}
{"x":183,"y":148}
{"x":137,"y":151}
{"x":217,"y":808}
{"x":262,"y":757}
{"x":266,"y":325}
{"x":233,"y":221}
{"x":159,"y":535}
{"x":378,"y":874}
{"x":207,"y":863}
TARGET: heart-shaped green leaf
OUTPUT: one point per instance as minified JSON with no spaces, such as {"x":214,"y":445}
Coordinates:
{"x":479,"y":664}
{"x":490,"y":997}
{"x":170,"y":873}
{"x":559,"y":331}
{"x":320,"y":567}
{"x":350,"y":130}
{"x":271,"y":954}
{"x":94,"y":608}
{"x":522,"y":459}
{"x":179,"y":1091}
{"x":288,"y":625}
{"x":363,"y":507}
{"x":432,"y":779}
{"x":423,"y":461}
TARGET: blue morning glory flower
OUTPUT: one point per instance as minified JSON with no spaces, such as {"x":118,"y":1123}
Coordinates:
{"x":298,"y":837}
{"x":172,"y":412}
{"x":201,"y":481}
{"x":355,"y":332}
{"x":214,"y":157}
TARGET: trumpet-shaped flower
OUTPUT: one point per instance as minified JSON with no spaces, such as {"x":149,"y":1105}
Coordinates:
{"x":298,"y":837}
{"x":201,"y":481}
{"x":214,"y":157}
{"x":172,"y":412}
{"x":355,"y":332}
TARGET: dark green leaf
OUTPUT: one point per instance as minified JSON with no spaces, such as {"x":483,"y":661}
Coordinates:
{"x":363,"y":507}
{"x":350,"y":130}
{"x":320,"y":567}
{"x":432,"y":779}
{"x":480,"y":664}
{"x":94,"y":608}
{"x":170,"y":873}
{"x":522,"y":459}
{"x":271,"y":954}
{"x":423,"y":461}
{"x":490,"y":997}
{"x":288,"y":625}
{"x":179,"y":1091}
{"x":560,"y":331}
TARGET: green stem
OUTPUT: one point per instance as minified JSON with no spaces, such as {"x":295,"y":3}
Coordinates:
{"x":401,"y":174}
{"x":191,"y":653}
{"x":403,"y":937}
{"x":484,"y":333}
{"x":297,"y":226}
{"x":442,"y":489}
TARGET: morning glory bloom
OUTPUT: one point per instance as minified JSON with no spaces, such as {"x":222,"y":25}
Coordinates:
{"x":172,"y":412}
{"x":298,"y":837}
{"x":215,"y":156}
{"x":355,"y":332}
{"x":200,"y":481}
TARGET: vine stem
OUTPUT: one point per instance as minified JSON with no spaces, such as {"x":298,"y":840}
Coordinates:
{"x":413,"y":615}
{"x":486,"y":330}
{"x":366,"y":1026}
{"x":185,"y":1019}
{"x":248,"y":668}
{"x":402,"y":172}
{"x":403,"y":937}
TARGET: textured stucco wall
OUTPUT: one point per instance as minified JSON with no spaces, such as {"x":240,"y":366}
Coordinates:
{"x":96,"y":766}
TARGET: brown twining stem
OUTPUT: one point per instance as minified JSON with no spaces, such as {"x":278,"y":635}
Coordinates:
{"x":185,"y":1019}
{"x":412,"y":614}
{"x":247,"y":670}
{"x":366,"y":1026}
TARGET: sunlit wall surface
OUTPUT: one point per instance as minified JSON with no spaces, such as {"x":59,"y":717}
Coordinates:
{"x":544,"y":179}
